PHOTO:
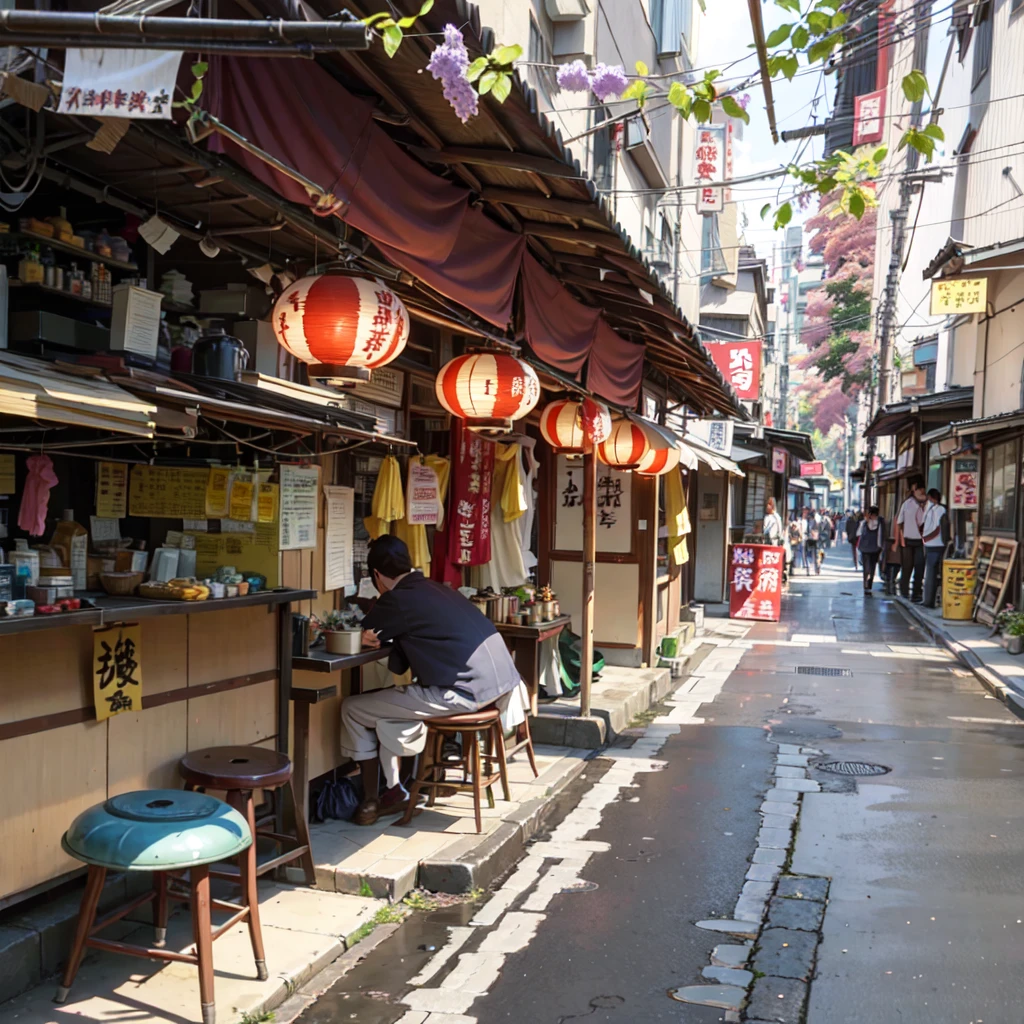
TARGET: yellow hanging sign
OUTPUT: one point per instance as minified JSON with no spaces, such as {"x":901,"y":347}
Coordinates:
{"x":266,"y":504}
{"x":6,"y":474}
{"x":117,"y":670}
{"x":217,"y":493}
{"x":241,"y":501}
{"x":112,"y":490}
{"x":953,"y":296}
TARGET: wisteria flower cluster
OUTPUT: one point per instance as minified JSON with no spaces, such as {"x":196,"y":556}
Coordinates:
{"x":604,"y":80}
{"x":448,"y":63}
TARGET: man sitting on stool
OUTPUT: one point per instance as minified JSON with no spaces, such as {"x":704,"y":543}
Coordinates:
{"x":457,"y":658}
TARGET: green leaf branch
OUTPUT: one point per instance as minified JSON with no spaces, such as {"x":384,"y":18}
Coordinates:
{"x":392,"y":30}
{"x":493,"y":73}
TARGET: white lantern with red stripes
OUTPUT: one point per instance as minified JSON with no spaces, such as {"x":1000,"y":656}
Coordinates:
{"x":663,"y":454}
{"x":335,"y":321}
{"x":487,"y":389}
{"x":626,"y":446}
{"x":567,"y":424}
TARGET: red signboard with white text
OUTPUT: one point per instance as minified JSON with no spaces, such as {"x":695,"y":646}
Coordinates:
{"x":869,"y":117}
{"x":740,"y":363}
{"x":755,"y":581}
{"x":812,"y":469}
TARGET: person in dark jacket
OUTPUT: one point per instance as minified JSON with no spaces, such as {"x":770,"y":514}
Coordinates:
{"x":852,"y":525}
{"x":457,"y":660}
{"x":871,"y":542}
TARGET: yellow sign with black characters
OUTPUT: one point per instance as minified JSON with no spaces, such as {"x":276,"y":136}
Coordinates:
{"x":953,"y":296}
{"x":117,"y":670}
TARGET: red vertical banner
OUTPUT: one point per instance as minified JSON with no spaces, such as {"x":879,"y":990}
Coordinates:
{"x":740,"y":363}
{"x":755,"y":581}
{"x":469,"y":526}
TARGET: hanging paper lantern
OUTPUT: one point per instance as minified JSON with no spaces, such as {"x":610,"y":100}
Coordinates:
{"x":341,"y":322}
{"x":659,"y":461}
{"x":487,"y":389}
{"x":625,"y":448}
{"x":567,"y":424}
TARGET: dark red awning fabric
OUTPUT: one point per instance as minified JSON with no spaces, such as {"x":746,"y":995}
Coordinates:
{"x":480,"y":271}
{"x":298,"y":113}
{"x":616,"y":367}
{"x":560,"y":330}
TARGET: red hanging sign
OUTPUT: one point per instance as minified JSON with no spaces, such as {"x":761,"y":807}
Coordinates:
{"x":469,"y":526}
{"x":869,"y":117}
{"x":755,"y":581}
{"x":740,"y":363}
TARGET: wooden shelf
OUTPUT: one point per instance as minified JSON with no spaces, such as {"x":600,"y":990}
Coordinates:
{"x":33,"y":286}
{"x":321,"y":661}
{"x":74,"y":250}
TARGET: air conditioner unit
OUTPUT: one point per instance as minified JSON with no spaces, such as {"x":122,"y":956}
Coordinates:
{"x":566,"y":10}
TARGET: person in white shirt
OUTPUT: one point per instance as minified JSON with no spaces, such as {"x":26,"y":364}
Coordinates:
{"x":934,"y":534}
{"x":909,"y":522}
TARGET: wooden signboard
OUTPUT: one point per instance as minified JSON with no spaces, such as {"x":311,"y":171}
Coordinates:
{"x":997,"y":580}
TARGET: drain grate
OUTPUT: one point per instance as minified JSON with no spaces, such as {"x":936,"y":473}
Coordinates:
{"x":853,"y":768}
{"x":814,"y":670}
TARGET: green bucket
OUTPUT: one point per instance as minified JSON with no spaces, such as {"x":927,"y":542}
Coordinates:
{"x":669,"y":647}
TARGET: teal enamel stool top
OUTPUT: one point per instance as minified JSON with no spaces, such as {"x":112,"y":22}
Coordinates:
{"x":157,"y":830}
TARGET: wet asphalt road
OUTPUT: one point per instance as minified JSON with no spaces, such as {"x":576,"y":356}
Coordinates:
{"x":927,"y":894}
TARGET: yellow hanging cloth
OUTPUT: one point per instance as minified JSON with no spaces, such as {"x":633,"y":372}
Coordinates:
{"x":510,"y":484}
{"x":677,"y":518}
{"x":442,"y":467}
{"x":388,"y":503}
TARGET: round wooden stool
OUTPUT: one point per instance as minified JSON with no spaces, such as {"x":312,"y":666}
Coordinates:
{"x":477,"y":765}
{"x":239,"y":772}
{"x":175,"y":836}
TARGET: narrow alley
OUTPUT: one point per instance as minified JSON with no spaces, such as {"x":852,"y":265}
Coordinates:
{"x":741,"y":836}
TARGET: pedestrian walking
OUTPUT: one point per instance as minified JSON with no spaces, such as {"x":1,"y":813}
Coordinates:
{"x":935,"y":535}
{"x":870,"y":539}
{"x":796,"y":542}
{"x":852,"y":532}
{"x":811,"y":544}
{"x":826,"y":535}
{"x":909,"y":522}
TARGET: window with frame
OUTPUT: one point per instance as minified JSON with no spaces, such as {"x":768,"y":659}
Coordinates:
{"x":539,"y":51}
{"x":603,"y":150}
{"x":758,"y":492}
{"x":999,"y":486}
{"x":983,"y":22}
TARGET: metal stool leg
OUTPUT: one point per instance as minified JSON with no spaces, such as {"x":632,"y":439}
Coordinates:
{"x":86,"y":917}
{"x":473,"y":759}
{"x":160,"y":909}
{"x":426,"y":766}
{"x":250,"y":894}
{"x":200,"y":882}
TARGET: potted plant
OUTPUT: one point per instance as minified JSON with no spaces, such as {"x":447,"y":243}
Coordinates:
{"x":342,"y":631}
{"x":1013,"y":634}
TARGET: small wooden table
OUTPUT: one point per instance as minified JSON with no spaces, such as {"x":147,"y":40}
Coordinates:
{"x":524,"y":643}
{"x":303,"y":696}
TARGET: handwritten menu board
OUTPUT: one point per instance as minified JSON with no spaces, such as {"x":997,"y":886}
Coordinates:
{"x":338,"y":567}
{"x":217,"y":485}
{"x":247,"y":552}
{"x":169,"y":492}
{"x":112,"y":490}
{"x":300,"y":497}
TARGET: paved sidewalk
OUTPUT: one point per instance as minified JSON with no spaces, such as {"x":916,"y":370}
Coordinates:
{"x":1000,"y":672}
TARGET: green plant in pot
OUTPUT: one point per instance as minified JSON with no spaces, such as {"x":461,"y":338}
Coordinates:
{"x":342,"y":631}
{"x":1013,"y":633}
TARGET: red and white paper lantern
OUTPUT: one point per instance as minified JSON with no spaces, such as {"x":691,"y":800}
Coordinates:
{"x":625,"y":448}
{"x":567,"y":424}
{"x":487,"y":389}
{"x":338,"y":320}
{"x":659,"y":461}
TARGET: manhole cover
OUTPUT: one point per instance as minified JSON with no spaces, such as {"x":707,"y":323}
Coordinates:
{"x":814,"y":670}
{"x":853,"y":768}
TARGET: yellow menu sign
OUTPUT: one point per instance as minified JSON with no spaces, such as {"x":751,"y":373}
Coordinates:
{"x":6,"y":474}
{"x":112,"y":490}
{"x":952,"y":296}
{"x":240,"y":506}
{"x":169,"y":492}
{"x":117,"y":670}
{"x":217,"y":493}
{"x":266,"y":504}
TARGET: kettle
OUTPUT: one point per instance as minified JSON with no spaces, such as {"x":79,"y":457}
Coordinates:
{"x":218,"y":354}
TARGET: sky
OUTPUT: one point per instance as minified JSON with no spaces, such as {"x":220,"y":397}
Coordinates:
{"x":725,"y":35}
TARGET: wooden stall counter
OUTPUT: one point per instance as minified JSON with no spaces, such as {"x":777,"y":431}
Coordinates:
{"x":209,"y":673}
{"x":524,"y":643}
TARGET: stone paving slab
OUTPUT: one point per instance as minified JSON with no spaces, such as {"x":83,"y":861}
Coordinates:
{"x":777,"y":1001}
{"x":796,"y":887}
{"x":785,"y":953}
{"x":803,"y":915}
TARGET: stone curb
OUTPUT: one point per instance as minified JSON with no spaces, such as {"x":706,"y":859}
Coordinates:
{"x":998,"y":685}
